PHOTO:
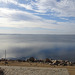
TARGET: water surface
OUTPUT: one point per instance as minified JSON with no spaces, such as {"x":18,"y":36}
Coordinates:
{"x":39,"y":46}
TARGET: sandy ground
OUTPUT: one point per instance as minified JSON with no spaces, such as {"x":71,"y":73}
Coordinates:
{"x":71,"y":69}
{"x":11,"y":70}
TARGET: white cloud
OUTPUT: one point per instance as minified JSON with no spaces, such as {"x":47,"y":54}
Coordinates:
{"x":26,"y":6}
{"x":17,"y":14}
{"x":16,"y":18}
{"x":63,"y":8}
{"x":10,"y":19}
{"x":20,"y":19}
{"x":9,"y":1}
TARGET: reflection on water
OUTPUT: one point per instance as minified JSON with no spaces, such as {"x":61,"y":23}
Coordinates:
{"x":39,"y":46}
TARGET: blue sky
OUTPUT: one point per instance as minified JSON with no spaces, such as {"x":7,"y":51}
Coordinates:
{"x":37,"y":16}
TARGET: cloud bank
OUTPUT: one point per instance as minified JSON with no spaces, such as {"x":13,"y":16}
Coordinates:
{"x":37,"y":16}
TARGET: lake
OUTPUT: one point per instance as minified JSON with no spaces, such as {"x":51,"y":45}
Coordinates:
{"x":40,"y":46}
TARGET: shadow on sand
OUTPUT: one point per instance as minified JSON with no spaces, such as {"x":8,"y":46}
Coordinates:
{"x":1,"y":72}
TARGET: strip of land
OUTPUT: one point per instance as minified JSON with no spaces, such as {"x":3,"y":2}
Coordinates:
{"x":71,"y":69}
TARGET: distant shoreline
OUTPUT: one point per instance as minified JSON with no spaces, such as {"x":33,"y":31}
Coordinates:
{"x":34,"y":34}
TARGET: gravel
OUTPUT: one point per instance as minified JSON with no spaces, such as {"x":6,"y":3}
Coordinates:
{"x":15,"y":70}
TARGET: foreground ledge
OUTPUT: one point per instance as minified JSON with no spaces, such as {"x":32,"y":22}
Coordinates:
{"x":11,"y":70}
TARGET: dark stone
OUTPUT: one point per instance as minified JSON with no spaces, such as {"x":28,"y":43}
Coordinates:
{"x":1,"y":72}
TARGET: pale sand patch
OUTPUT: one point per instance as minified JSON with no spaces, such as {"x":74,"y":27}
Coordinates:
{"x":14,"y":70}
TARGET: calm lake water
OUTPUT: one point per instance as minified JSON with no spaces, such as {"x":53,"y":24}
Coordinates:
{"x":39,"y":46}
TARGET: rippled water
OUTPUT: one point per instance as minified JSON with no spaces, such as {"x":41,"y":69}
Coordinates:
{"x":39,"y":46}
